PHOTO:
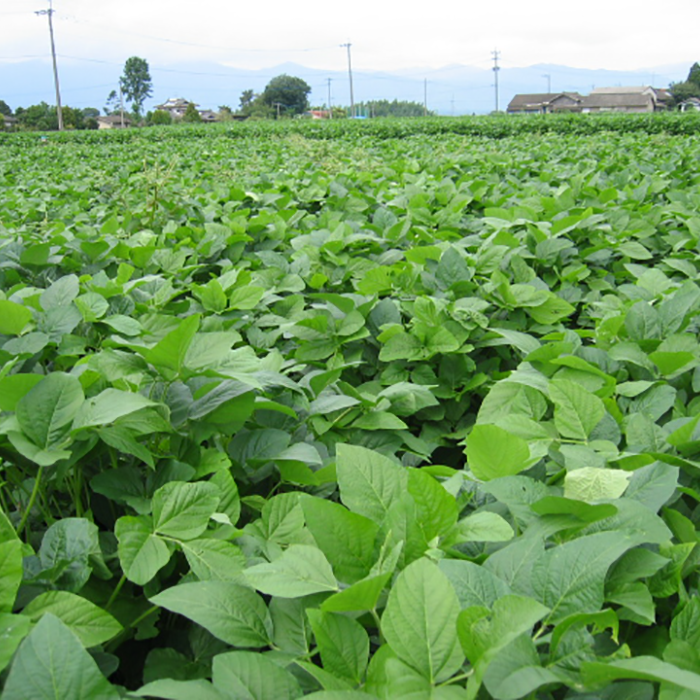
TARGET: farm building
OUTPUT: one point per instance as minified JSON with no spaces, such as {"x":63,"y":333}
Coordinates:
{"x":113,"y":121}
{"x":545,"y":103}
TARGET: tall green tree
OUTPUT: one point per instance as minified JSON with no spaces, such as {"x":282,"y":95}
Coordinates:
{"x":694,"y":74}
{"x":136,"y":82}
{"x":291,"y":93}
{"x":5,"y":108}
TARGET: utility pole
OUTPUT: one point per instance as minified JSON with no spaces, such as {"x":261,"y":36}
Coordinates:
{"x":549,"y":82}
{"x":121,"y":104}
{"x":425,"y":97}
{"x":330,"y":106}
{"x":278,"y":105}
{"x":59,"y":109}
{"x":496,"y":53}
{"x":352,"y":94}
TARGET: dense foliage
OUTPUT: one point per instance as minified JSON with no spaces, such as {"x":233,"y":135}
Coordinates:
{"x":364,"y":417}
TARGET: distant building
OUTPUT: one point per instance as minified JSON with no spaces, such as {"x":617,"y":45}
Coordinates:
{"x":206,"y":115}
{"x":692,"y":104}
{"x":10,"y":122}
{"x":175,"y":106}
{"x":614,"y":99}
{"x":545,"y":103}
{"x":318,"y":114}
{"x":113,"y":121}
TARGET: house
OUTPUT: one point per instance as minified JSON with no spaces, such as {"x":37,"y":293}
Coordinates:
{"x":113,"y":121}
{"x":692,"y":104}
{"x":625,"y":99}
{"x":175,"y":106}
{"x":207,"y":115}
{"x":545,"y":103}
{"x":10,"y":122}
{"x":318,"y":114}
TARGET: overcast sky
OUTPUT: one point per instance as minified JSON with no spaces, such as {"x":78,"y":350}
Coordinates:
{"x":385,"y":35}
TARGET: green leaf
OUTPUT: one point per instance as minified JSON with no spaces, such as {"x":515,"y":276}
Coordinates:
{"x":245,"y":298}
{"x":14,"y":318}
{"x":485,"y":527}
{"x":343,"y":644}
{"x":142,"y":554}
{"x":45,"y":411}
{"x":569,"y":578}
{"x":61,"y":293}
{"x":51,"y":663}
{"x":362,"y":595}
{"x":10,"y":573}
{"x":244,"y":674}
{"x":300,"y":571}
{"x":647,"y":668}
{"x":473,"y":584}
{"x":493,"y":453}
{"x":214,"y":560}
{"x":369,"y":482}
{"x":170,"y":352}
{"x":13,"y":629}
{"x":232,"y":613}
{"x":436,"y":509}
{"x":346,"y":538}
{"x":576,"y":411}
{"x":183,"y":510}
{"x":591,"y":484}
{"x":419,"y":621}
{"x":14,"y":387}
{"x":169,"y":689}
{"x":108,"y":406}
{"x":91,"y":624}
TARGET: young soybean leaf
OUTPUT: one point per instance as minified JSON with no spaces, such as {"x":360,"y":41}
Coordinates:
{"x":169,"y":689}
{"x":649,"y":668}
{"x":13,"y":317}
{"x":232,"y":613}
{"x":493,"y":452}
{"x":108,"y":406}
{"x":576,"y":411}
{"x":343,"y":644}
{"x":420,"y":621}
{"x":245,"y":674}
{"x":51,"y":663}
{"x":170,"y":352}
{"x":369,"y":482}
{"x":13,"y":629}
{"x":142,"y":554}
{"x":91,"y":624}
{"x":215,"y":560}
{"x":569,"y":578}
{"x":591,"y":484}
{"x":10,"y":573}
{"x":300,"y":571}
{"x":182,"y":510}
{"x":45,"y":411}
{"x":346,"y":538}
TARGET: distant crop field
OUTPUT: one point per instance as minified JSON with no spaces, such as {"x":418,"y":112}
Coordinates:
{"x":404,"y":409}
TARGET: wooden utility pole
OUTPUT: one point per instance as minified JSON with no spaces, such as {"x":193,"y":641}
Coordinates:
{"x":425,"y":97}
{"x":352,"y":94}
{"x":121,"y":104}
{"x":59,"y":109}
{"x":549,"y":82}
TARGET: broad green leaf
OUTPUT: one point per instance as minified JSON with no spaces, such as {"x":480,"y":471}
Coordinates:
{"x":14,"y":387}
{"x":369,"y":482}
{"x":232,"y":613}
{"x":244,"y":674}
{"x":640,"y":668}
{"x":420,"y":621}
{"x":493,"y":453}
{"x":91,"y":624}
{"x":13,"y":629}
{"x":142,"y":554}
{"x":214,"y":560}
{"x":569,"y":578}
{"x":362,"y":595}
{"x":436,"y":509}
{"x":10,"y":573}
{"x":61,"y":293}
{"x":300,"y":571}
{"x":183,"y":510}
{"x":343,"y":644}
{"x":590,"y":484}
{"x":473,"y":584}
{"x":346,"y":538}
{"x":292,"y":632}
{"x":108,"y":406}
{"x":576,"y":411}
{"x":13,"y":317}
{"x":51,"y":663}
{"x":170,"y":352}
{"x":45,"y":411}
{"x":686,"y":625}
{"x":484,"y":527}
{"x":169,"y":689}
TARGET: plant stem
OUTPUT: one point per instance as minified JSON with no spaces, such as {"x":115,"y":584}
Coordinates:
{"x":115,"y":592}
{"x":30,"y":505}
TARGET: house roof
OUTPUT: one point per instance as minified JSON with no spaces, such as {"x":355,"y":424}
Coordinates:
{"x":638,"y":89}
{"x":113,"y":119}
{"x":619,"y":100}
{"x":539,"y":99}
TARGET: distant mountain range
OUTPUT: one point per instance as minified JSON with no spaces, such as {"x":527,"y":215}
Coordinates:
{"x":454,"y":89}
